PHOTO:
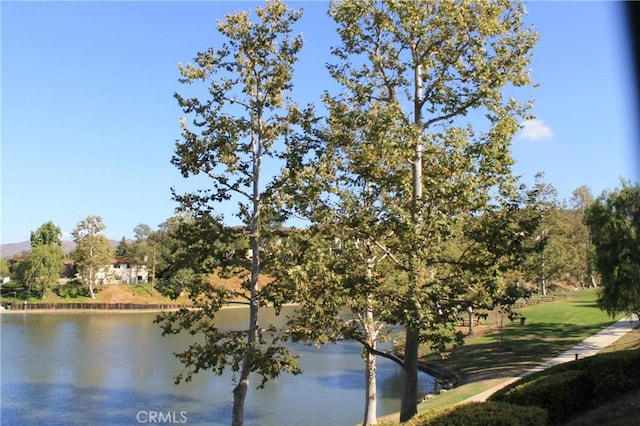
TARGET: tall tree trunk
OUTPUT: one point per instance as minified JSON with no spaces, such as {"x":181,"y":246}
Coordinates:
{"x":239,"y":396}
{"x":371,"y":330}
{"x":240,"y":391}
{"x":409,"y":400}
{"x":371,"y":402}
{"x":91,"y":272}
{"x":153,"y":270}
{"x":90,"y":279}
{"x":470,"y":312}
{"x":543,"y":281}
{"x":409,"y":403}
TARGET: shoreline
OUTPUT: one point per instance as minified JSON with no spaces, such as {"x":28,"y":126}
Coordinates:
{"x":84,"y":311}
{"x":113,"y":310}
{"x":12,"y":307}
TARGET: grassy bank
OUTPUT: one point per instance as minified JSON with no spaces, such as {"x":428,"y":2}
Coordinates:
{"x":488,"y":359}
{"x":110,"y":293}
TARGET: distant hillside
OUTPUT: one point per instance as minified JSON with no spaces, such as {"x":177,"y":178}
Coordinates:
{"x":11,"y":249}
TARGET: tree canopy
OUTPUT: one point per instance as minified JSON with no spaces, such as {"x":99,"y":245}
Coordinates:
{"x":422,"y":68}
{"x":228,"y":136}
{"x":41,"y":267}
{"x":614,"y":222}
{"x":47,"y":234}
{"x":93,"y":252}
{"x":407,"y":181}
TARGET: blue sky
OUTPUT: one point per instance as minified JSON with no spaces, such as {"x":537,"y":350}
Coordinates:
{"x":89,"y":121}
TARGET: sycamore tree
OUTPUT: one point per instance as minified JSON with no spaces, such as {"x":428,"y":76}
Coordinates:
{"x":564,"y":252}
{"x":143,"y":251}
{"x":194,"y":248}
{"x":41,"y":268}
{"x":490,"y":251}
{"x":584,"y":253}
{"x":93,"y":253}
{"x":149,"y":239}
{"x":336,"y":178}
{"x":440,"y":69}
{"x":226,"y":137}
{"x":568,"y":252}
{"x":546,"y":261}
{"x":614,"y":222}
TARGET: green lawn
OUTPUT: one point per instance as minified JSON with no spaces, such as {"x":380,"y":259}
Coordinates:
{"x":551,"y":328}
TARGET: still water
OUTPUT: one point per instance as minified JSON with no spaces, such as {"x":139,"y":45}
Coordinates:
{"x":117,"y":369}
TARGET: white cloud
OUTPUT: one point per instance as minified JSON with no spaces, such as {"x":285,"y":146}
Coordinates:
{"x":535,"y":129}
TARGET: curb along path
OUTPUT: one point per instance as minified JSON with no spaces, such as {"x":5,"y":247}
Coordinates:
{"x":588,"y":347}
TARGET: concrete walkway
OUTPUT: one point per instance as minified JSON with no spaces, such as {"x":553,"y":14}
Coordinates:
{"x":589,"y":347}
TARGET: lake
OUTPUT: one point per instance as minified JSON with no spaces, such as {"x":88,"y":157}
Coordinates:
{"x":116,"y":369}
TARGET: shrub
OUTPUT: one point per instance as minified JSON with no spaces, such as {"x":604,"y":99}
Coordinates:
{"x":62,"y":291}
{"x":483,"y":414}
{"x":613,"y":374}
{"x":562,"y":394}
{"x":566,"y":389}
{"x":73,"y":289}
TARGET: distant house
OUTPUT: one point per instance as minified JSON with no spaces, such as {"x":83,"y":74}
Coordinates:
{"x":123,"y":271}
{"x":68,"y":269}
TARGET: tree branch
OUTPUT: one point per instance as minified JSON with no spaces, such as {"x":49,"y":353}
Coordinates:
{"x":387,"y":252}
{"x":395,"y":358}
{"x":454,"y":113}
{"x":222,"y":181}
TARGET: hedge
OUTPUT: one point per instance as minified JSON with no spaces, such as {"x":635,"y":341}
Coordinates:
{"x":567,"y":389}
{"x":482,"y":414}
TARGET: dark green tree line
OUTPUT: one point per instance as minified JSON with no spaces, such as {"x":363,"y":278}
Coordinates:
{"x":614,"y":222}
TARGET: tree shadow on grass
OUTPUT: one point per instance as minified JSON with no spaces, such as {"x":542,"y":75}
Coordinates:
{"x":522,"y":348}
{"x":586,"y":304}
